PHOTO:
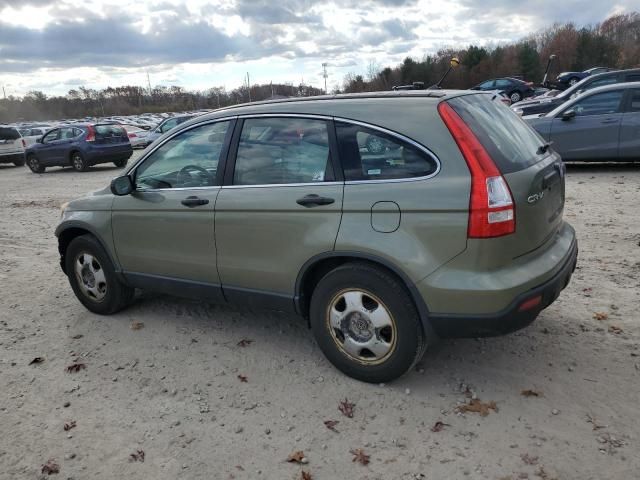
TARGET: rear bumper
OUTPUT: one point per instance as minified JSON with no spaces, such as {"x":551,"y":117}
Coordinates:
{"x":12,"y":157}
{"x":512,"y":317}
{"x":109,"y":154}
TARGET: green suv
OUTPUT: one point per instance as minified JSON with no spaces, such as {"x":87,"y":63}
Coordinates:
{"x":450,"y":227}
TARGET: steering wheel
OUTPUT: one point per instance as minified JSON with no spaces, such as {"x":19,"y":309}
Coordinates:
{"x":185,"y":179}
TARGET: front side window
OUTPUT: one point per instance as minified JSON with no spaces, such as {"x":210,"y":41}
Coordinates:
{"x":188,"y":160}
{"x":67,"y":133}
{"x":369,"y":154}
{"x":599,"y":104}
{"x":487,"y":85}
{"x":634,"y":103}
{"x":168,"y":125}
{"x":283,"y":150}
{"x":51,"y":136}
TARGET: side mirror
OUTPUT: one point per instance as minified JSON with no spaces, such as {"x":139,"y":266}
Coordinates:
{"x":121,"y":186}
{"x":568,"y":115}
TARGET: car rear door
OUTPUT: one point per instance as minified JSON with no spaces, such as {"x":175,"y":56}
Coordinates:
{"x":280,"y":206}
{"x":164,"y":231}
{"x":630,"y":128}
{"x":593,"y":133}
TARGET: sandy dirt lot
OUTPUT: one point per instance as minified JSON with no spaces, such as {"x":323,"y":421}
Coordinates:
{"x":172,"y":388}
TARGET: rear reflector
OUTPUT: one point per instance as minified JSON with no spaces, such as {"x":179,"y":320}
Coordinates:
{"x":531,"y":303}
{"x":491,"y":209}
{"x":24,"y":144}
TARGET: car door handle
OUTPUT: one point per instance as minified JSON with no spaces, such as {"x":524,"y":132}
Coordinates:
{"x":314,"y":200}
{"x":194,"y":202}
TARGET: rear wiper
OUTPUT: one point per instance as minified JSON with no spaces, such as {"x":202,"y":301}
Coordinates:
{"x":543,"y":148}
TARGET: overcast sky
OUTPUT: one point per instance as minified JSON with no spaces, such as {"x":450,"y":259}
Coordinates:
{"x":57,"y":45}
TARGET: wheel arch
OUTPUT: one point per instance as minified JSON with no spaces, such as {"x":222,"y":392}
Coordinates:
{"x":318,"y":266}
{"x":67,"y":232}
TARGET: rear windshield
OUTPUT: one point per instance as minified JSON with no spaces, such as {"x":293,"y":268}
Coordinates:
{"x":510,"y":142}
{"x":103,"y":131}
{"x":9,"y":134}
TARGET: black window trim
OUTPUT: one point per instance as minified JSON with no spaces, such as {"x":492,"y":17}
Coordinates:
{"x":235,"y":142}
{"x":224,"y":153}
{"x":627,"y":100}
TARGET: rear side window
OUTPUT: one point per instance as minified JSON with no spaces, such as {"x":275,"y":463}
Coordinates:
{"x":510,"y":142}
{"x":599,"y":104}
{"x":634,"y":101}
{"x":283,"y":150}
{"x":106,"y":131}
{"x":633,"y":77}
{"x":369,"y":154}
{"x":7,"y":134}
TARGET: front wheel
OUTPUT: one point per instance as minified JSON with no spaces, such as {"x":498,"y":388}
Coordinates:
{"x":93,"y":278}
{"x":366,"y":323}
{"x":78,"y":162}
{"x":19,"y":163}
{"x":120,"y":163}
{"x":515,"y":97}
{"x":34,"y":164}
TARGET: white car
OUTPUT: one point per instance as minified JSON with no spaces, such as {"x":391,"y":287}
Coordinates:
{"x":31,"y":134}
{"x":12,"y":146}
{"x":137,"y":136}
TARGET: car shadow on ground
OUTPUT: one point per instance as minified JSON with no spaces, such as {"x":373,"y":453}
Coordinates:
{"x":603,"y":167}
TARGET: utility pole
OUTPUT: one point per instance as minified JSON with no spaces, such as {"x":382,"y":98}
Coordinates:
{"x":249,"y":87}
{"x":149,"y":82}
{"x":4,"y":94}
{"x":325,"y":75}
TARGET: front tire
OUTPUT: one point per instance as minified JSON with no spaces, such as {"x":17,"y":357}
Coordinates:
{"x":19,"y":163}
{"x":120,"y":163}
{"x":34,"y":164}
{"x":78,"y":162}
{"x":366,"y":323}
{"x":93,"y":278}
{"x":515,"y":97}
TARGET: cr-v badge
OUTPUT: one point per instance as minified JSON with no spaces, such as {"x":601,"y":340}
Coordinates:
{"x":535,"y":197}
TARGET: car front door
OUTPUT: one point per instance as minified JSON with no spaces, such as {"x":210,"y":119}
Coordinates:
{"x":164,"y":231}
{"x":48,"y":151}
{"x":630,"y":127}
{"x":280,"y":206}
{"x":593,"y":133}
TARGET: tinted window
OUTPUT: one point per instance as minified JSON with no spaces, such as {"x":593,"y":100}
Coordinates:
{"x":107,"y":131}
{"x":283,"y":150}
{"x":599,"y":104}
{"x":601,"y":82}
{"x":486,"y":85}
{"x":9,"y":134}
{"x":67,"y":133}
{"x":168,"y":125}
{"x":634,"y":77}
{"x":503,"y":83}
{"x":369,"y":154}
{"x":189,"y":159}
{"x":634,"y":102}
{"x":510,"y":142}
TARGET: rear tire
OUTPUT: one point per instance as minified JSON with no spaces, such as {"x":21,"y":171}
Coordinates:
{"x":78,"y":162}
{"x":34,"y":164}
{"x":19,"y":163}
{"x":573,"y":81}
{"x":366,"y":323}
{"x":515,"y":96}
{"x":120,"y":163}
{"x":93,"y":278}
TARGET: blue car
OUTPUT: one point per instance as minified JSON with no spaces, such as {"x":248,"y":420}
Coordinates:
{"x":80,"y":146}
{"x":569,"y":79}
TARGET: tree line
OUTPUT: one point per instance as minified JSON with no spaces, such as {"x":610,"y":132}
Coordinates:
{"x":613,"y":43}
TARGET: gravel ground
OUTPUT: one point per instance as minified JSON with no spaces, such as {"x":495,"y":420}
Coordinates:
{"x":164,"y":377}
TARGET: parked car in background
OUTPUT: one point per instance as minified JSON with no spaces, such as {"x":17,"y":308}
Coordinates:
{"x":167,"y":125}
{"x":599,"y":125}
{"x":569,"y":79}
{"x":31,"y":134}
{"x":80,"y":146}
{"x":514,"y":88}
{"x":12,"y":146}
{"x":456,"y":231}
{"x":137,"y":136}
{"x":547,"y":103}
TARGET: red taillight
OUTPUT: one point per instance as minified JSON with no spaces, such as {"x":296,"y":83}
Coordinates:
{"x":491,"y":209}
{"x":24,"y":144}
{"x":531,"y":303}
{"x":91,"y":134}
{"x":132,"y":135}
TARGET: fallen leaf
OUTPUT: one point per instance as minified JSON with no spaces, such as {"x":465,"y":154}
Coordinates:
{"x":77,"y":336}
{"x":75,"y":367}
{"x":136,"y":325}
{"x":242,"y":378}
{"x":615,"y":329}
{"x":50,"y":467}
{"x":530,"y":393}
{"x":529,"y":460}
{"x":36,"y":360}
{"x":600,"y":316}
{"x":245,"y":342}
{"x":596,"y":425}
{"x":137,"y":456}
{"x":439,"y":426}
{"x":239,"y":467}
{"x":305,"y":476}
{"x":476,"y":406}
{"x":359,"y":456}
{"x":296,"y":457}
{"x":331,"y":425}
{"x":69,"y":425}
{"x":346,"y":408}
